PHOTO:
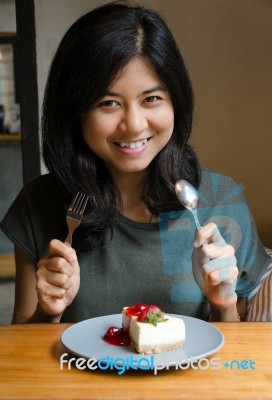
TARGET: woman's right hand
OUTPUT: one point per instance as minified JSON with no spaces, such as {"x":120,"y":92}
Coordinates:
{"x":58,"y":279}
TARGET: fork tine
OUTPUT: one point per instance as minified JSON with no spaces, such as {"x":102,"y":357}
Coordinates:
{"x":78,"y":204}
{"x":74,"y":215}
{"x":74,"y":202}
{"x":83,"y":206}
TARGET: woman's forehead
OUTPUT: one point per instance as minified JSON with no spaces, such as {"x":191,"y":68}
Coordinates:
{"x":136,"y":69}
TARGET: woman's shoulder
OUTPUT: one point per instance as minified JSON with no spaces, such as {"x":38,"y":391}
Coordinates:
{"x":208,"y":176}
{"x":41,"y":192}
{"x":43,"y":183}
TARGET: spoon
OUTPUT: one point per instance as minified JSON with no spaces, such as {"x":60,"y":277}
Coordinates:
{"x":188,"y":196}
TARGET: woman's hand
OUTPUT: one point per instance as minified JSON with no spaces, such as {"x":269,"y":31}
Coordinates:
{"x":58,"y":279}
{"x":219,"y":272}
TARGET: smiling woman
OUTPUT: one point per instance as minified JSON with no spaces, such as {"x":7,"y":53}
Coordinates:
{"x":117,"y":118}
{"x":122,"y":89}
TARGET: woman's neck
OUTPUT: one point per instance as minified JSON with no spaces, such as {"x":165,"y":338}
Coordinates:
{"x":137,"y":211}
{"x":131,"y":187}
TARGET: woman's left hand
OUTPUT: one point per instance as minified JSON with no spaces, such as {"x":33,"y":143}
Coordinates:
{"x":219,"y":271}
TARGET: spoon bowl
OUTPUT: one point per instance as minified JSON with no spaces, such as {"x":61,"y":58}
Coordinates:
{"x":188,"y":196}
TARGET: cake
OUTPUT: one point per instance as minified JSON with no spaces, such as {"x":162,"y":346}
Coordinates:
{"x":150,"y":330}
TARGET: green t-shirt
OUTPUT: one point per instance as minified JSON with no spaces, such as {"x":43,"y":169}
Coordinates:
{"x":143,"y":263}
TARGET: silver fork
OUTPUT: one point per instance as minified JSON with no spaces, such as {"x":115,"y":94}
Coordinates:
{"x":74,"y":215}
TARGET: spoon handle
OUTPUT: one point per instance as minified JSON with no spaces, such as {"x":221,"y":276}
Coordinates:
{"x":198,"y":226}
{"x":194,"y":212}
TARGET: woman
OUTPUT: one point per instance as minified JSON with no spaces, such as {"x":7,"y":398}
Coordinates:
{"x":116,"y":121}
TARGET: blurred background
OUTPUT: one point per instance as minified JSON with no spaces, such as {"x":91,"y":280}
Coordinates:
{"x":227,"y":48}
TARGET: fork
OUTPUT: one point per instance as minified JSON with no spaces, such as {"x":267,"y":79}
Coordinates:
{"x":74,"y":215}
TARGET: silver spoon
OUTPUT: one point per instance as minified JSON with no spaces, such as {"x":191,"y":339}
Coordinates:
{"x":188,"y":196}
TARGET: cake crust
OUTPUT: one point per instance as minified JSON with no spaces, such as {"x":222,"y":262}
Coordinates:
{"x":156,"y":349}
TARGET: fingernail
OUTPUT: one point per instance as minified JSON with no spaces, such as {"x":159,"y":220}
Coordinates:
{"x":196,"y":243}
{"x":73,"y":257}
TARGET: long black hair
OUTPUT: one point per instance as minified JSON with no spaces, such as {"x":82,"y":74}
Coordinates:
{"x":91,"y":54}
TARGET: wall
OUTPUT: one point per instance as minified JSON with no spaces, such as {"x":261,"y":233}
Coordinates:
{"x":10,"y":183}
{"x":11,"y":179}
{"x":7,"y":16}
{"x":53,"y":18}
{"x":227,"y":47}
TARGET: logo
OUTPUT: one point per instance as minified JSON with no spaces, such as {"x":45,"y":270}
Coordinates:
{"x":122,"y":365}
{"x":225,"y":206}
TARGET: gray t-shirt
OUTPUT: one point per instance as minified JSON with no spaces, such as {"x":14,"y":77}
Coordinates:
{"x":143,"y":263}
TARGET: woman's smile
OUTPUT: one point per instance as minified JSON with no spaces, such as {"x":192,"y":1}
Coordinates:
{"x":132,"y":145}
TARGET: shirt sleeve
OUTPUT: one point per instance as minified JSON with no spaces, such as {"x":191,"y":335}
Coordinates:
{"x":35,"y":217}
{"x":17,"y":226}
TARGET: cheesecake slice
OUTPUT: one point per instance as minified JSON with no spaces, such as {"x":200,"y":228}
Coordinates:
{"x":151,"y":331}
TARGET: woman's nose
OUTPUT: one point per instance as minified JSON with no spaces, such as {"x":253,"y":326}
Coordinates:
{"x":133,"y":121}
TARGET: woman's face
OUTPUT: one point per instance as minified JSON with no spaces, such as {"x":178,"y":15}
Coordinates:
{"x":132,"y":122}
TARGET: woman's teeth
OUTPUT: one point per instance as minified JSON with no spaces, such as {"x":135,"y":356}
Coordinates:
{"x":133,"y":145}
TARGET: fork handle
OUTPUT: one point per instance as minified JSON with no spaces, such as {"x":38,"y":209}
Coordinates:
{"x":68,"y":240}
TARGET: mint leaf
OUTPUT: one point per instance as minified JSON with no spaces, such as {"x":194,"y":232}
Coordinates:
{"x":154,"y":317}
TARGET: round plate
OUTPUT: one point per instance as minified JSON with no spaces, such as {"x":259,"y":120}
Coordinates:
{"x":85,"y":339}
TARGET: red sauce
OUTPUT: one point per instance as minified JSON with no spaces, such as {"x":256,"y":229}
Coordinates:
{"x":117,"y":336}
{"x":120,"y":336}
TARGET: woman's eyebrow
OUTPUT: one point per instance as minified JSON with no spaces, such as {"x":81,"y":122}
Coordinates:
{"x":110,"y":93}
{"x":157,"y":88}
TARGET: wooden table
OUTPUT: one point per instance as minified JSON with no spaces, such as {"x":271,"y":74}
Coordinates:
{"x":30,"y":369}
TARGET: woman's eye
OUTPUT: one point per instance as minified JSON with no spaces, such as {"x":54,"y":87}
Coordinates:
{"x":108,"y":103}
{"x":152,"y":99}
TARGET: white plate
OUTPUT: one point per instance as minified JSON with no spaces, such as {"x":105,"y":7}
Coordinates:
{"x":85,"y":339}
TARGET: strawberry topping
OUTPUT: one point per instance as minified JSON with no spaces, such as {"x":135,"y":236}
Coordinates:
{"x":133,"y":311}
{"x":151,"y":314}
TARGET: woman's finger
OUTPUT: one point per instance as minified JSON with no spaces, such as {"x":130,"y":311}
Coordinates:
{"x":227,"y":273}
{"x":45,"y":290}
{"x":209,"y":234}
{"x":56,"y":264}
{"x":58,"y":248}
{"x":212,"y":251}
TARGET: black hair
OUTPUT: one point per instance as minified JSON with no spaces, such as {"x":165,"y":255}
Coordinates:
{"x":91,"y":54}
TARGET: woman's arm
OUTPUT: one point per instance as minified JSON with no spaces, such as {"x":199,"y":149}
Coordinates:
{"x":26,"y":298}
